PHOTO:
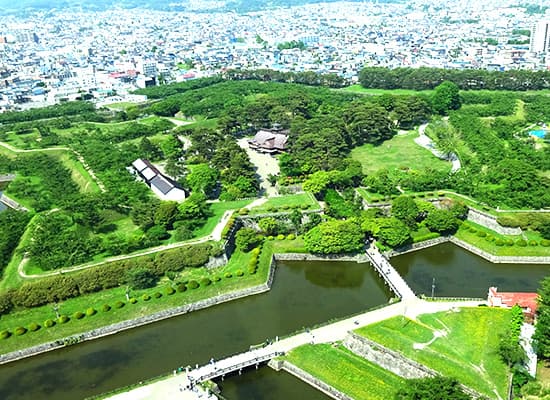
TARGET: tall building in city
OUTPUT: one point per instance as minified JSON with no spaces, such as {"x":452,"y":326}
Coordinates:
{"x":540,"y":37}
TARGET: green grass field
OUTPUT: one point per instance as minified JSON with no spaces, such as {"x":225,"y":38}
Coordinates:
{"x":361,"y":90}
{"x":399,"y":152}
{"x":83,"y":179}
{"x":346,"y":371}
{"x":287,"y":202}
{"x":217,"y":210}
{"x":467,"y":351}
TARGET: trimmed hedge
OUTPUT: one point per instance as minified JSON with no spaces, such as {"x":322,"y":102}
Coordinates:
{"x":181,"y":287}
{"x":49,"y":323}
{"x":146,"y":297}
{"x":105,"y":307}
{"x":205,"y":281}
{"x":20,"y":331}
{"x":239,"y":272}
{"x":521,"y":243}
{"x":132,"y":300}
{"x":120,"y":304}
{"x":90,"y":311}
{"x":157,"y":295}
{"x":63,"y":319}
{"x":78,"y":315}
{"x":193,"y":284}
{"x":169,"y":290}
{"x":5,"y":334}
{"x":228,"y":274}
{"x":33,"y":327}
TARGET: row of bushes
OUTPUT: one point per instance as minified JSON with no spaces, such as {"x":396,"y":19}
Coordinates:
{"x":180,"y":288}
{"x":228,"y":227}
{"x":61,"y":287}
{"x":414,"y":195}
{"x":290,"y":236}
{"x":507,"y":241}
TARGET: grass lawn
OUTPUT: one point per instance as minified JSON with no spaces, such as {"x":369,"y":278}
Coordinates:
{"x":239,"y":261}
{"x":482,"y":243}
{"x":346,"y":371}
{"x":287,"y":202}
{"x":399,"y":152}
{"x":217,"y":210}
{"x":467,"y":352}
{"x":361,"y":90}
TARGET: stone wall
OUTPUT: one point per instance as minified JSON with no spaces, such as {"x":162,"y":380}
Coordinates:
{"x":393,"y":361}
{"x":359,"y":258}
{"x":490,"y":221}
{"x":416,"y":246}
{"x":309,"y":379}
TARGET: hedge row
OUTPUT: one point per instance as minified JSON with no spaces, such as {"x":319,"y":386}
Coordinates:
{"x":286,"y":207}
{"x":506,"y":241}
{"x":227,"y":228}
{"x":106,"y":276}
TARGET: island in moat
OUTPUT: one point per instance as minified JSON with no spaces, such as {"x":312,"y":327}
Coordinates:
{"x":119,"y":217}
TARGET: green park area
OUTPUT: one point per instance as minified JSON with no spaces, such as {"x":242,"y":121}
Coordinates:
{"x":345,"y":371}
{"x":301,"y":201}
{"x":377,"y":92}
{"x":400,"y":152}
{"x":462,"y":344}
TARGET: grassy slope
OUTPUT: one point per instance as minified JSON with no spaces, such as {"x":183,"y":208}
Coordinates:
{"x":346,"y":372}
{"x":291,"y":200}
{"x":239,"y":261}
{"x":468,"y":352}
{"x":361,"y":90}
{"x":400,"y":151}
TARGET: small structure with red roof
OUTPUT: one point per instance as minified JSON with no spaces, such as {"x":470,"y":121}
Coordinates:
{"x":526,"y":300}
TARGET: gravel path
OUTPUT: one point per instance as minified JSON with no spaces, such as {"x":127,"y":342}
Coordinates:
{"x":428,"y":144}
{"x":265,"y":165}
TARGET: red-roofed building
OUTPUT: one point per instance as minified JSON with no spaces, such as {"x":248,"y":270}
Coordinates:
{"x":527,"y":301}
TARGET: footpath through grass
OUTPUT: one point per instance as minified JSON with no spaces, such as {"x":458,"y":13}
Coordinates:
{"x":346,"y":371}
{"x":467,"y":351}
{"x":399,"y":152}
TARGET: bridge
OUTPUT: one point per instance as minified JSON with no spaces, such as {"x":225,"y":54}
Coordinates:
{"x":389,"y":274}
{"x":7,"y":178}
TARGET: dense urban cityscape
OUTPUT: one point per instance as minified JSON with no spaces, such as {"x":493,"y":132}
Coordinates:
{"x":50,"y":55}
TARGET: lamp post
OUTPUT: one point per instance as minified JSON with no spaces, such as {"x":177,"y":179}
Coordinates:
{"x":127,"y":293}
{"x":56,"y":309}
{"x":433,"y":287}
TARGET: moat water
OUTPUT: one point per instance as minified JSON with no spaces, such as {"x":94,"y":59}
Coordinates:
{"x":303,"y":294}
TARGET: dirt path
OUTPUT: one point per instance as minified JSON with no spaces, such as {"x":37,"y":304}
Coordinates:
{"x":265,"y":165}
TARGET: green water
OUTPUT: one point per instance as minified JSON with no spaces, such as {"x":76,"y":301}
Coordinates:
{"x":303,"y":294}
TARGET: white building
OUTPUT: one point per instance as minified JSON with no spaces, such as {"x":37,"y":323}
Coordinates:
{"x":540,"y":37}
{"x":163,"y":187}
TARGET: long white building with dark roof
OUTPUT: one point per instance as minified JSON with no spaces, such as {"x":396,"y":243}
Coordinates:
{"x":163,"y":187}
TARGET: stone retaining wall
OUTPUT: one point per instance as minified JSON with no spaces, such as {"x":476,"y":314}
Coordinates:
{"x":359,"y":258}
{"x":490,"y":221}
{"x":393,"y":361}
{"x":121,"y":326}
{"x":324,"y":387}
{"x":416,"y":246}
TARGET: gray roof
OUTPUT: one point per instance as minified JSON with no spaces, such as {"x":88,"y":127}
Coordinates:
{"x":162,"y":184}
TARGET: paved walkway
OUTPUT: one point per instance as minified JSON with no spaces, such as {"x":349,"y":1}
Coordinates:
{"x":428,"y":144}
{"x":177,"y":386}
{"x":389,"y":274}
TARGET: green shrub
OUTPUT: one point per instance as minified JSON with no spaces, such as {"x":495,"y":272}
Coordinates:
{"x":285,"y":206}
{"x":217,"y":278}
{"x":78,"y":315}
{"x":193,"y":284}
{"x":244,"y":211}
{"x":33,"y":327}
{"x":533,"y":242}
{"x":440,"y":194}
{"x":430,"y":194}
{"x":157,"y":295}
{"x":105,"y":307}
{"x":545,"y":242}
{"x":271,"y":209}
{"x":146,"y":297}
{"x":270,"y":237}
{"x":20,"y":330}
{"x":63,"y":319}
{"x":472,"y":229}
{"x":280,"y":237}
{"x":228,"y":274}
{"x":509,"y":242}
{"x":490,"y":238}
{"x":521,"y":243}
{"x":181,"y":287}
{"x":169,"y":290}
{"x":205,"y":281}
{"x":251,"y":270}
{"x":499,"y":242}
{"x":481,"y":234}
{"x":49,"y":323}
{"x":120,"y":304}
{"x":239,"y":272}
{"x":421,"y":195}
{"x":256,"y":251}
{"x":132,"y":300}
{"x":304,"y":206}
{"x":5,"y":334}
{"x":90,"y":311}
{"x":291,"y":236}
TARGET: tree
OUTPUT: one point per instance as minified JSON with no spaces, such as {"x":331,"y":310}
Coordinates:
{"x":542,"y":332}
{"x":445,"y":98}
{"x":166,"y":213}
{"x":392,"y":232}
{"x":141,"y":278}
{"x":317,"y":182}
{"x":405,"y":209}
{"x":246,"y":239}
{"x":436,"y":388}
{"x":442,"y":221}
{"x":269,"y":225}
{"x":203,"y":178}
{"x":194,"y":209}
{"x":334,"y":237}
